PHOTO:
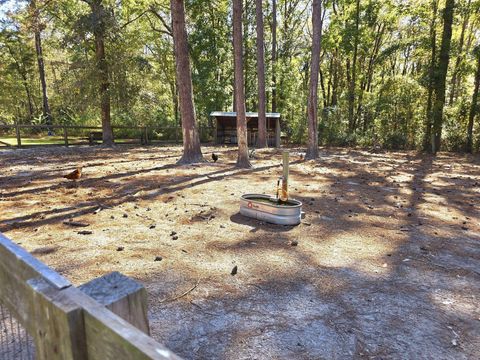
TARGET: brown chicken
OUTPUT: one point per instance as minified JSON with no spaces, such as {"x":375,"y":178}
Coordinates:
{"x":74,"y":175}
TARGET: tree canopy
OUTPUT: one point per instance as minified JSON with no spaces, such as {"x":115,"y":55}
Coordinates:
{"x":381,"y":64}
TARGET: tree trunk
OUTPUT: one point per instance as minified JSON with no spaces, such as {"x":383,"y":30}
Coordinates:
{"x":104,"y":90}
{"x":242,"y":161}
{"x":353,"y":79}
{"x":41,"y":70}
{"x":312,"y":149}
{"x":274,"y":56}
{"x":174,"y":92}
{"x":99,"y":11}
{"x":334,"y":100}
{"x":329,"y":82}
{"x":37,"y":28}
{"x":322,"y":86}
{"x":431,"y":80}
{"x":262,"y":121}
{"x":21,"y":71}
{"x":373,"y":58}
{"x":474,"y":106}
{"x":246,"y":52}
{"x":367,"y":83}
{"x":191,"y":141}
{"x":175,"y":106}
{"x":441,"y":74}
{"x":234,"y":91}
{"x":456,"y":69}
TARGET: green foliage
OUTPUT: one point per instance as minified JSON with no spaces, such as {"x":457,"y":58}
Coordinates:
{"x":456,"y":126}
{"x":211,"y":55}
{"x":392,"y":74}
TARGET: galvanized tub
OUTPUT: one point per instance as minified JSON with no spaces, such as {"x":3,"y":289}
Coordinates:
{"x":265,"y":208}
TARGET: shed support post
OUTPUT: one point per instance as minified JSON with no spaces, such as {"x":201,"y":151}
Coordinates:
{"x":215,"y":132}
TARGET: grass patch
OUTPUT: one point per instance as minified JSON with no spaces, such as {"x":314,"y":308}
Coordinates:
{"x":43,"y":140}
{"x":52,"y":140}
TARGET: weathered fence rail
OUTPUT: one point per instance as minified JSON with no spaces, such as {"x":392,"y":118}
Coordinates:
{"x":66,"y":322}
{"x":84,"y":135}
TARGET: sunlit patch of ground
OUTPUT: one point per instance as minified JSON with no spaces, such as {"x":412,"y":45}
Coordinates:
{"x":387,"y":263}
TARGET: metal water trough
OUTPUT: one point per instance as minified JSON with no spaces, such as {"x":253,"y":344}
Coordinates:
{"x":269,"y":211}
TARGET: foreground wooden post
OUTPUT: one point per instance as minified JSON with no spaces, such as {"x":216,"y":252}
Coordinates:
{"x":57,"y":323}
{"x":17,"y":133}
{"x":110,"y":337}
{"x":65,"y":322}
{"x":122,"y":296}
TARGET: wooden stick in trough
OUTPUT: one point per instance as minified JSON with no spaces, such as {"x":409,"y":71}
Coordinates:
{"x":284,"y":192}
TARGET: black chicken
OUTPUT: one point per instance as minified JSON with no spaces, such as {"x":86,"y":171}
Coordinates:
{"x":214,"y":157}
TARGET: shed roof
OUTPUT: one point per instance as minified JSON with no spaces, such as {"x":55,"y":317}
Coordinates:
{"x":248,"y":114}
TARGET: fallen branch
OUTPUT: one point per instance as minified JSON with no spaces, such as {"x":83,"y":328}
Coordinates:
{"x":103,"y":206}
{"x":182,"y":295}
{"x":75,"y":223}
{"x":201,"y":205}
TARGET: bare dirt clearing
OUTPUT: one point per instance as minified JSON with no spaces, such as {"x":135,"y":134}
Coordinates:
{"x":387,"y":264}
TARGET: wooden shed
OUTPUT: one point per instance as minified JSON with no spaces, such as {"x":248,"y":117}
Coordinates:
{"x":226,"y":128}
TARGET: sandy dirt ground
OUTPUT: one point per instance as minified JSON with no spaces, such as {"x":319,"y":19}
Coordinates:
{"x":387,"y":264}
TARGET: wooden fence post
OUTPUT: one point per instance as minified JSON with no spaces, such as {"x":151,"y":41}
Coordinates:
{"x":122,"y":296}
{"x":68,"y":324}
{"x":58,"y":323}
{"x":17,"y":132}
{"x":65,"y":135}
{"x":145,"y":134}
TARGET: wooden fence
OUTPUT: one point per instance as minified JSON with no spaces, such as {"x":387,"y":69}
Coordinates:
{"x":73,"y":323}
{"x":90,"y":135}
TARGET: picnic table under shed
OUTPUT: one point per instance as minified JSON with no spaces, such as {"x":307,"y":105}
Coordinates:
{"x":226,"y":128}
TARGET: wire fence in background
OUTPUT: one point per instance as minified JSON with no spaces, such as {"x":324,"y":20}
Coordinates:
{"x":15,"y":342}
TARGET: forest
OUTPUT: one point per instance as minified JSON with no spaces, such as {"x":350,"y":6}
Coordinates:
{"x":397,"y":74}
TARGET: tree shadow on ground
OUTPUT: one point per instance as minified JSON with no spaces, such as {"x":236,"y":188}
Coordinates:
{"x":418,"y":306}
{"x":151,"y":188}
{"x":369,"y":277}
